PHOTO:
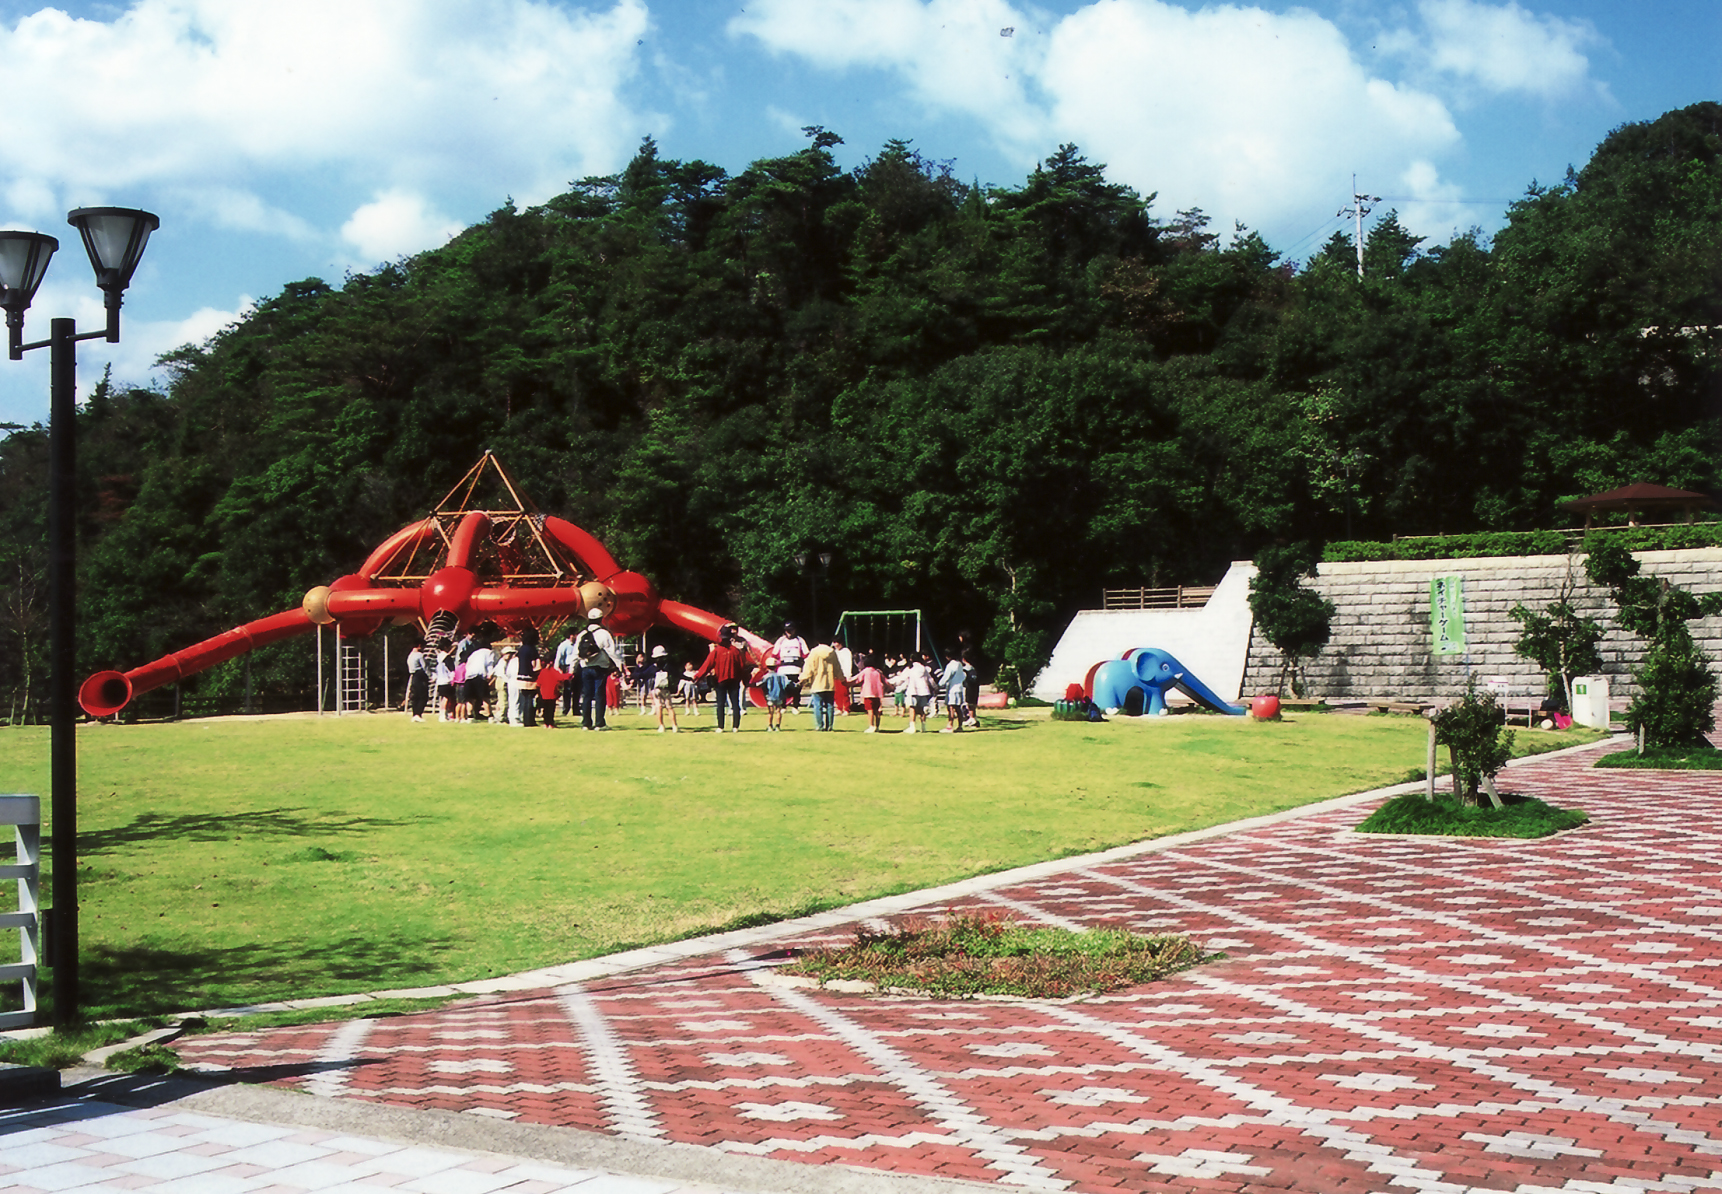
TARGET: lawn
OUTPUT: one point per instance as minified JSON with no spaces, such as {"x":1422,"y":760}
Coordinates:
{"x":234,"y":860}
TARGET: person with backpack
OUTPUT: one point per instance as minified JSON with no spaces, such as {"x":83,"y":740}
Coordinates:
{"x":595,"y":649}
{"x":790,"y":651}
{"x":525,"y":690}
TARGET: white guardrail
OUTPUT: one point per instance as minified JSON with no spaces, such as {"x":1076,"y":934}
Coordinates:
{"x":24,"y":814}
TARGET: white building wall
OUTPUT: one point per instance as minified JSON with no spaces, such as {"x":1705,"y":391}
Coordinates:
{"x":1212,"y":642}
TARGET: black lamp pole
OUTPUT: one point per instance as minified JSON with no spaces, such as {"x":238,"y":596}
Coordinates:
{"x":114,"y":238}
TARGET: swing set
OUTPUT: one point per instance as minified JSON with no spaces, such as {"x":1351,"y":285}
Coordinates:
{"x":887,"y":631}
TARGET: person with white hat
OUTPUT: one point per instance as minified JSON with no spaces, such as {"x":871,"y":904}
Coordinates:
{"x":595,"y":649}
{"x":664,"y":684}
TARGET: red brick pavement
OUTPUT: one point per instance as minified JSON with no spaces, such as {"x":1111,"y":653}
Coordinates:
{"x":1393,"y":1014}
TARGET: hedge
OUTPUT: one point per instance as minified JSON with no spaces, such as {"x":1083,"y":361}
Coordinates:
{"x":1519,"y":543}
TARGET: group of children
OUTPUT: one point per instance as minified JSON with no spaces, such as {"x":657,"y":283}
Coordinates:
{"x":475,"y":682}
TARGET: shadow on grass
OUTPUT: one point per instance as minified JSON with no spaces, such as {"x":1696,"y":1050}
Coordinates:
{"x":218,"y":827}
{"x":140,"y":981}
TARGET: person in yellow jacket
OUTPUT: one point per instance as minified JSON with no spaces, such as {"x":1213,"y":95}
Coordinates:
{"x":821,"y":673}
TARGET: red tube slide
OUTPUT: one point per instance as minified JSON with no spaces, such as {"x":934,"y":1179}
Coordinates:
{"x":106,"y":693}
{"x":410,"y":536}
{"x":583,"y":547}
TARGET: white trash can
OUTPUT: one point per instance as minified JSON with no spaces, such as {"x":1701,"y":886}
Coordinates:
{"x":1590,"y":701}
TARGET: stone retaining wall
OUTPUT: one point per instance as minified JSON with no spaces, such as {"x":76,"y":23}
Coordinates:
{"x":1381,"y":642}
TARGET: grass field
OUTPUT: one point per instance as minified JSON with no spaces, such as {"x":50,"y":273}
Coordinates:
{"x":234,"y":860}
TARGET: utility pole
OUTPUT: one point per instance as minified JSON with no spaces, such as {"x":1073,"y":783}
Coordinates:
{"x":1361,"y":205}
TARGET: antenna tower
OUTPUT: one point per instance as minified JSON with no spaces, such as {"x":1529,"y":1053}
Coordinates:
{"x":1361,"y":205}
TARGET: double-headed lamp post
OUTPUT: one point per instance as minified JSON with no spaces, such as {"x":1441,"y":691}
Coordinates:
{"x":115,"y":238}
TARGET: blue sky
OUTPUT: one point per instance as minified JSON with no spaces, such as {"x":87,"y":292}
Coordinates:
{"x":282,"y":141}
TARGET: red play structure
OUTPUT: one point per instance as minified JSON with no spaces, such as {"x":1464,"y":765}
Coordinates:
{"x":457,"y":568}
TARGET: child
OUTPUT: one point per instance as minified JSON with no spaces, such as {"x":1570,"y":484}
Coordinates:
{"x":955,"y":683}
{"x":916,"y":683}
{"x":549,"y":681}
{"x":777,"y":687}
{"x":445,"y":685}
{"x":644,"y":675}
{"x":690,"y":687}
{"x":664,"y":690}
{"x":871,"y":683}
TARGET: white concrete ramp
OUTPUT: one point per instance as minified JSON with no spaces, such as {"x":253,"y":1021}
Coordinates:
{"x":1212,"y":642}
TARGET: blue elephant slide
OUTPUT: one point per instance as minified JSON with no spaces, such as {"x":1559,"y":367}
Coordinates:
{"x":1146,"y":673}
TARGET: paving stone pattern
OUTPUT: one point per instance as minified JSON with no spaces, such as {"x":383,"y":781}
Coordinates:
{"x":91,"y":1147}
{"x":1393,"y":1014}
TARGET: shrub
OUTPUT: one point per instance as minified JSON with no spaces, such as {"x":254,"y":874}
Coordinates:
{"x":991,"y":953}
{"x":1473,"y":729}
{"x":1522,"y":543}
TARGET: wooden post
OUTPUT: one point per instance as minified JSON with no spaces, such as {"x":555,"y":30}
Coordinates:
{"x":1494,"y":796}
{"x":1429,"y":771}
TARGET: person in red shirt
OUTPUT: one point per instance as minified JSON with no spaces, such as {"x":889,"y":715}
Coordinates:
{"x":548,"y":680}
{"x":728,"y":666}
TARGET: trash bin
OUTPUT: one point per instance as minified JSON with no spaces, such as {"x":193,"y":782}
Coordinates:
{"x":1590,"y":701}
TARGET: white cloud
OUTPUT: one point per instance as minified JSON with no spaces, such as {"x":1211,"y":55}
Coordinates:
{"x":518,"y":93}
{"x":1252,"y":115}
{"x":1434,"y":208}
{"x":244,"y":211}
{"x":1246,"y":113}
{"x":948,"y":52}
{"x":1506,"y":48}
{"x":394,"y":224}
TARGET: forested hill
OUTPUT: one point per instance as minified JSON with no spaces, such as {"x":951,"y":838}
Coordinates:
{"x":987,"y":402}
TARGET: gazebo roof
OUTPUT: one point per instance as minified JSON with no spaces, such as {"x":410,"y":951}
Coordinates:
{"x":1641,"y":496}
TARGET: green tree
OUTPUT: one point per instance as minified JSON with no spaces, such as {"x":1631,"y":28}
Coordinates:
{"x":1559,"y":640}
{"x":1295,"y":620}
{"x":1676,"y":687}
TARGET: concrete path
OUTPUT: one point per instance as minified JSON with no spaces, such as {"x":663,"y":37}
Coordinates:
{"x":1394,"y":1014}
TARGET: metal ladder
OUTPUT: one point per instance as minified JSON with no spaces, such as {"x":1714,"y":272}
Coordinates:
{"x":349,"y":680}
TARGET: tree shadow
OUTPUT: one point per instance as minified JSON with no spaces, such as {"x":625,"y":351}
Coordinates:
{"x":216,"y":827}
{"x":110,"y":1094}
{"x":141,"y":981}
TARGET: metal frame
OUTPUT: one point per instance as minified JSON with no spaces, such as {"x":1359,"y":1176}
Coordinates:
{"x":24,"y":814}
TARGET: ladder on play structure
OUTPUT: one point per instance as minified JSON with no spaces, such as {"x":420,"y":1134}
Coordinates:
{"x":349,"y":679}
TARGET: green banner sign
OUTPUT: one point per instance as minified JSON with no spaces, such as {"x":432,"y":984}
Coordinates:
{"x":1447,"y":615}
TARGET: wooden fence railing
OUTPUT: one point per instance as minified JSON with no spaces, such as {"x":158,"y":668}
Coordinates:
{"x":1181,"y":597}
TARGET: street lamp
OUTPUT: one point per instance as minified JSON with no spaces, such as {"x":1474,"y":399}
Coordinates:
{"x":115,"y":238}
{"x":805,"y":561}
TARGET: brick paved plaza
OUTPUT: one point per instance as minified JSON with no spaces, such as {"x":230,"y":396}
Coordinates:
{"x":1393,"y":1014}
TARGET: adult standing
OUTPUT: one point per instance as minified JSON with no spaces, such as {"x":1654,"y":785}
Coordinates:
{"x":820,"y":676}
{"x":526,"y":678}
{"x":596,"y":650}
{"x":418,"y":679}
{"x":727,"y":664}
{"x":971,"y":686}
{"x":566,"y":664}
{"x":480,"y":661}
{"x":846,"y":663}
{"x":790,"y":652}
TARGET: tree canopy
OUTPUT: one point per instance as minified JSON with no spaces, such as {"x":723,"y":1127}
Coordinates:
{"x":987,"y":402}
